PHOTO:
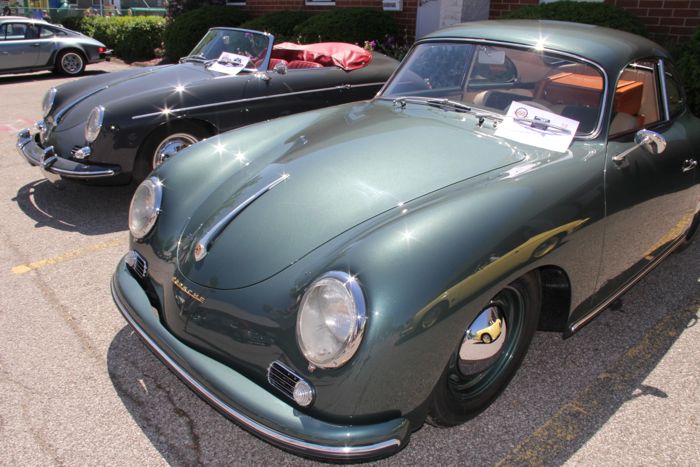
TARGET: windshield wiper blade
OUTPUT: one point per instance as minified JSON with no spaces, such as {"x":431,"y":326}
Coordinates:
{"x":541,"y":125}
{"x":197,"y":57}
{"x":439,"y":103}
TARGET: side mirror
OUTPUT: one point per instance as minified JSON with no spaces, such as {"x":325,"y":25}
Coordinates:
{"x":280,"y":68}
{"x":653,"y":142}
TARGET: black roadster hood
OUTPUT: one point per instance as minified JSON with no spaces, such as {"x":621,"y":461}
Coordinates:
{"x":327,"y":171}
{"x":146,"y":90}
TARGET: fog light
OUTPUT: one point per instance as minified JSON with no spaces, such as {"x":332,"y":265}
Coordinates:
{"x":303,"y":393}
{"x":82,"y":153}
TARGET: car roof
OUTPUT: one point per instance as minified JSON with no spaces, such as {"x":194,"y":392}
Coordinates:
{"x":610,"y":48}
{"x":21,"y":19}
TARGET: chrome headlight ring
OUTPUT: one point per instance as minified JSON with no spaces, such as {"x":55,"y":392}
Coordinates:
{"x":48,"y":101}
{"x":331,"y":320}
{"x":145,"y":207}
{"x":94,"y":123}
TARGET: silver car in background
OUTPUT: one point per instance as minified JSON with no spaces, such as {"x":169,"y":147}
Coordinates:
{"x":31,"y":45}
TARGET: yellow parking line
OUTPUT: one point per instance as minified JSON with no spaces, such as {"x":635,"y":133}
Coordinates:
{"x":575,"y":420}
{"x":23,"y":268}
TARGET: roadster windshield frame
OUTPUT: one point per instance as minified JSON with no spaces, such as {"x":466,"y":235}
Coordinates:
{"x":253,"y":44}
{"x":390,"y":91}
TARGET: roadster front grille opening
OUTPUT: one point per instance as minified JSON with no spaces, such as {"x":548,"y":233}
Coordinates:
{"x":283,"y":378}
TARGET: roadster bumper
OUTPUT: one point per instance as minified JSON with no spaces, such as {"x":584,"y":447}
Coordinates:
{"x":246,"y":403}
{"x":54,"y":166}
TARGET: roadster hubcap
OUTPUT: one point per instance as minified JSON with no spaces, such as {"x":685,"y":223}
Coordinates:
{"x":171,"y":146}
{"x":71,"y":63}
{"x":483,"y":341}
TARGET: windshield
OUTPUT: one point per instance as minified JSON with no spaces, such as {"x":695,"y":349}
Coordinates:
{"x":219,"y":43}
{"x":491,"y":77}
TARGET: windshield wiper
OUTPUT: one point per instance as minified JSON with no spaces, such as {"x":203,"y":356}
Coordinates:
{"x":542,"y":125}
{"x":445,"y":104}
{"x":196,"y":57}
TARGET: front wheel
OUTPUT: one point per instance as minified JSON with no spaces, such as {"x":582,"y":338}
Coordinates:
{"x":70,"y":63}
{"x":478,"y":370}
{"x":164,"y":143}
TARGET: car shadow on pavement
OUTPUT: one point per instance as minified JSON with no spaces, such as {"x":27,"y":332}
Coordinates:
{"x":76,"y":207}
{"x":43,"y":76}
{"x":569,"y":386}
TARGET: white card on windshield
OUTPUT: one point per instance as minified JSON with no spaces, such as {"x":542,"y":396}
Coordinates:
{"x":530,"y":125}
{"x":229,"y":63}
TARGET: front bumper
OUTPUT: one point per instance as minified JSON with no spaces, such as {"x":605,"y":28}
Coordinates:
{"x":53,"y":165}
{"x":246,"y":403}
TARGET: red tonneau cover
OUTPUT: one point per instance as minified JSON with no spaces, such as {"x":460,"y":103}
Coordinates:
{"x":346,"y":56}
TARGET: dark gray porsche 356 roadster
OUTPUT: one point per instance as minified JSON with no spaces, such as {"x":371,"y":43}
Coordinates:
{"x":124,"y":124}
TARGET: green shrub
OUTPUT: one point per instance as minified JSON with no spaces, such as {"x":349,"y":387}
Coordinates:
{"x":600,"y":14}
{"x":131,"y":37}
{"x":354,"y":25}
{"x":281,"y":24}
{"x":687,"y":61}
{"x":185,"y":31}
{"x":72,"y":22}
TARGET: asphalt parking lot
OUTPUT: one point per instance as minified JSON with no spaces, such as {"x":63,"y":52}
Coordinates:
{"x":77,"y":387}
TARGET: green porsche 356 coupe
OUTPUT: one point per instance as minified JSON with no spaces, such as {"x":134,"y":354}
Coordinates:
{"x":327,"y":279}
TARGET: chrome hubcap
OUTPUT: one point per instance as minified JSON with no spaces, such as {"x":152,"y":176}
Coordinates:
{"x":483,"y":341}
{"x":72,"y":63}
{"x":171,"y":146}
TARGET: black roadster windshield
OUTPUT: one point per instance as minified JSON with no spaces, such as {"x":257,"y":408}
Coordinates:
{"x":217,"y":43}
{"x":492,"y":77}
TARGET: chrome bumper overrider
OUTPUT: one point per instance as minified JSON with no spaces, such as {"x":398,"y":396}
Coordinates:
{"x":246,"y":403}
{"x":54,"y":166}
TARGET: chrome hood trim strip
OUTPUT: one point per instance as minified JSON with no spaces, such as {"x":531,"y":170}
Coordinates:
{"x":202,"y":247}
{"x":252,"y":99}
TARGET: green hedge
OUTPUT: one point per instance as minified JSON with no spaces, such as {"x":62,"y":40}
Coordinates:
{"x":132,"y":38}
{"x":280,"y":23}
{"x":687,"y":61}
{"x":185,"y":31}
{"x":600,"y":14}
{"x":354,"y":25}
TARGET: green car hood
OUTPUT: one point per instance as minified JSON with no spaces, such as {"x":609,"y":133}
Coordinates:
{"x":344,"y":165}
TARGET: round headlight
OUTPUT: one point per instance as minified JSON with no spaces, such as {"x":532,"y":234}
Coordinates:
{"x":94,"y":123}
{"x":47,"y":103}
{"x":145,"y":207}
{"x":331,"y":320}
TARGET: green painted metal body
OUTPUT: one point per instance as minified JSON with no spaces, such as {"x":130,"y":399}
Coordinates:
{"x":430,"y":211}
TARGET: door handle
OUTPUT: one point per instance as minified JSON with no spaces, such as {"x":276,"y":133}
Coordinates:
{"x":689,"y":164}
{"x":36,"y":44}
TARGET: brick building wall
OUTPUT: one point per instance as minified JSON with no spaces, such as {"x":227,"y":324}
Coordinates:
{"x":406,"y":18}
{"x":674,"y":20}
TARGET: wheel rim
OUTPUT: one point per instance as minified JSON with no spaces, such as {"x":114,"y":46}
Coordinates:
{"x":72,"y":63}
{"x":481,"y":359}
{"x":171,"y":146}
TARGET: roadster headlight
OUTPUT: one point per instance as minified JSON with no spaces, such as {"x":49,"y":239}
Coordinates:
{"x":145,"y":207}
{"x":331,"y":320}
{"x":94,"y":123}
{"x":47,"y":103}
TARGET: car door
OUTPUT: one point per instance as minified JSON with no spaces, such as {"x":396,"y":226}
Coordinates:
{"x":19,"y":46}
{"x":47,"y":44}
{"x":649,"y":196}
{"x":297,"y":90}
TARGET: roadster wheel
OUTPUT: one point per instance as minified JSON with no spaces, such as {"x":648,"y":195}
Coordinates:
{"x":70,"y":62}
{"x":164,"y":143}
{"x":170,"y":146}
{"x":479,"y":370}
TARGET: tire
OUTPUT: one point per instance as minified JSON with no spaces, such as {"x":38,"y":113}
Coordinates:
{"x":175,"y":136}
{"x":457,"y":397}
{"x":690,"y":235}
{"x":70,"y":63}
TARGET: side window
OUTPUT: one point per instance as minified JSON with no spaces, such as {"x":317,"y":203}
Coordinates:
{"x":3,"y":31}
{"x":15,"y":31}
{"x":45,"y":33}
{"x":32,"y":32}
{"x":636,"y":104}
{"x":674,"y":91}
